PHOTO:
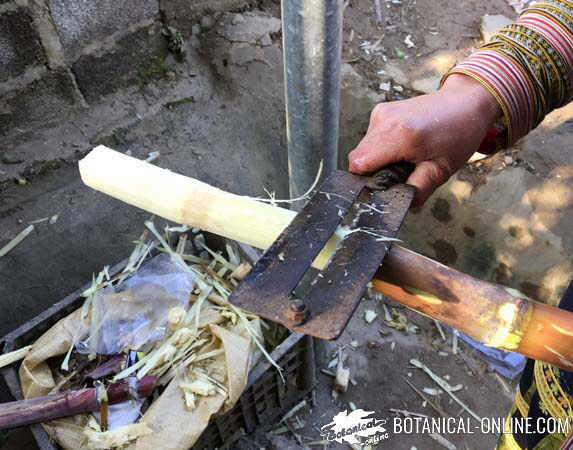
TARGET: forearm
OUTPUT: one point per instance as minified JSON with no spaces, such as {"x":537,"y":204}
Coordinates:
{"x":503,"y":84}
{"x":486,"y":107}
{"x":526,"y":68}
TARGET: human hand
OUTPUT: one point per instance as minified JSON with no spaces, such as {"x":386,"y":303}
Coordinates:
{"x":438,"y":132}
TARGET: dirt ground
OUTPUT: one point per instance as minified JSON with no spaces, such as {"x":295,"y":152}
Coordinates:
{"x":378,"y":357}
{"x":235,"y":140}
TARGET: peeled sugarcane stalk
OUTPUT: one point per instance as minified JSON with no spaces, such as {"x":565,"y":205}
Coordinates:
{"x":491,"y":314}
{"x":64,"y":404}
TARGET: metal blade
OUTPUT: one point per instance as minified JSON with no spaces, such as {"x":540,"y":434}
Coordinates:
{"x":267,"y":289}
{"x":337,"y":290}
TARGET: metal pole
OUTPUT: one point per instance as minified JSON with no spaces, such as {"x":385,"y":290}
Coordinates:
{"x":312,"y":36}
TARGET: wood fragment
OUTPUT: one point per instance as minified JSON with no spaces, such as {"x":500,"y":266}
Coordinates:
{"x":111,"y":366}
{"x":431,"y":391}
{"x":441,"y":330}
{"x":408,"y":413}
{"x":503,"y":383}
{"x":445,"y":386}
{"x":37,"y":221}
{"x":216,"y":276}
{"x":241,"y":271}
{"x":294,"y":433}
{"x":152,"y":156}
{"x":104,"y":415}
{"x":293,"y":411}
{"x":370,"y":316}
{"x":433,"y":405}
{"x":199,"y":387}
{"x":342,"y":378}
{"x":318,"y":443}
{"x":180,"y":249}
{"x":378,"y":9}
{"x":16,"y":241}
{"x":8,"y":358}
{"x":280,"y":430}
{"x":63,"y":382}
{"x":98,"y":440}
{"x":176,"y":317}
{"x":442,"y":441}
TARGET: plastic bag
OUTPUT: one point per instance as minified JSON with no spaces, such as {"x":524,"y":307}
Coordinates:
{"x":174,"y":427}
{"x":121,"y":414}
{"x":135,"y":313}
{"x":508,"y":364}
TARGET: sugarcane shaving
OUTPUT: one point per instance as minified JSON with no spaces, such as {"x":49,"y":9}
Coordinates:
{"x":188,"y":354}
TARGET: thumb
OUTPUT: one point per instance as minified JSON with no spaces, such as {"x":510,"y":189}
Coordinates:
{"x":428,"y":176}
{"x":372,"y":153}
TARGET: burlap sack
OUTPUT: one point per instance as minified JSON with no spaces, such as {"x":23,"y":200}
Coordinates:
{"x":173,"y":426}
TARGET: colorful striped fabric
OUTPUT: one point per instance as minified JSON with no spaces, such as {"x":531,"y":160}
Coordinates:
{"x":527,"y":67}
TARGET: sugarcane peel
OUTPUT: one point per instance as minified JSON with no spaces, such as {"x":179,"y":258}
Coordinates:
{"x":175,"y":317}
{"x":17,"y":355}
{"x":241,"y":271}
{"x":118,"y":437}
{"x":445,"y":386}
{"x":181,"y":336}
{"x":199,"y":387}
{"x":342,"y":378}
{"x":16,"y":241}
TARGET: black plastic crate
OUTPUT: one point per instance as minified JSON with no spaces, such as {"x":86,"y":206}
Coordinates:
{"x":265,"y":400}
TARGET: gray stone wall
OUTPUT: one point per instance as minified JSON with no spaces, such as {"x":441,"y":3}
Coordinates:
{"x":57,"y":56}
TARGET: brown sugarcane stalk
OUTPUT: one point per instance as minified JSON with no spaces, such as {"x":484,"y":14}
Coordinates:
{"x":112,"y":365}
{"x":64,"y":404}
{"x":492,"y":314}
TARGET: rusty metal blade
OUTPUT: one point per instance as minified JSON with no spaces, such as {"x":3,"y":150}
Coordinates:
{"x":336,"y":291}
{"x":267,"y":288}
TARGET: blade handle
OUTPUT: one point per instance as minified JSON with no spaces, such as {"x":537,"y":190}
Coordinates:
{"x":396,"y":173}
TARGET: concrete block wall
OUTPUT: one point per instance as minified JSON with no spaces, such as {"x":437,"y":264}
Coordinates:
{"x":60,"y":55}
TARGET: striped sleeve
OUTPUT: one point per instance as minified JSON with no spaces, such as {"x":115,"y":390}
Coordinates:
{"x":527,"y":67}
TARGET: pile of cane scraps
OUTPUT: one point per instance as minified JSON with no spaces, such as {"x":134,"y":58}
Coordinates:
{"x":206,"y":351}
{"x":99,"y":439}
